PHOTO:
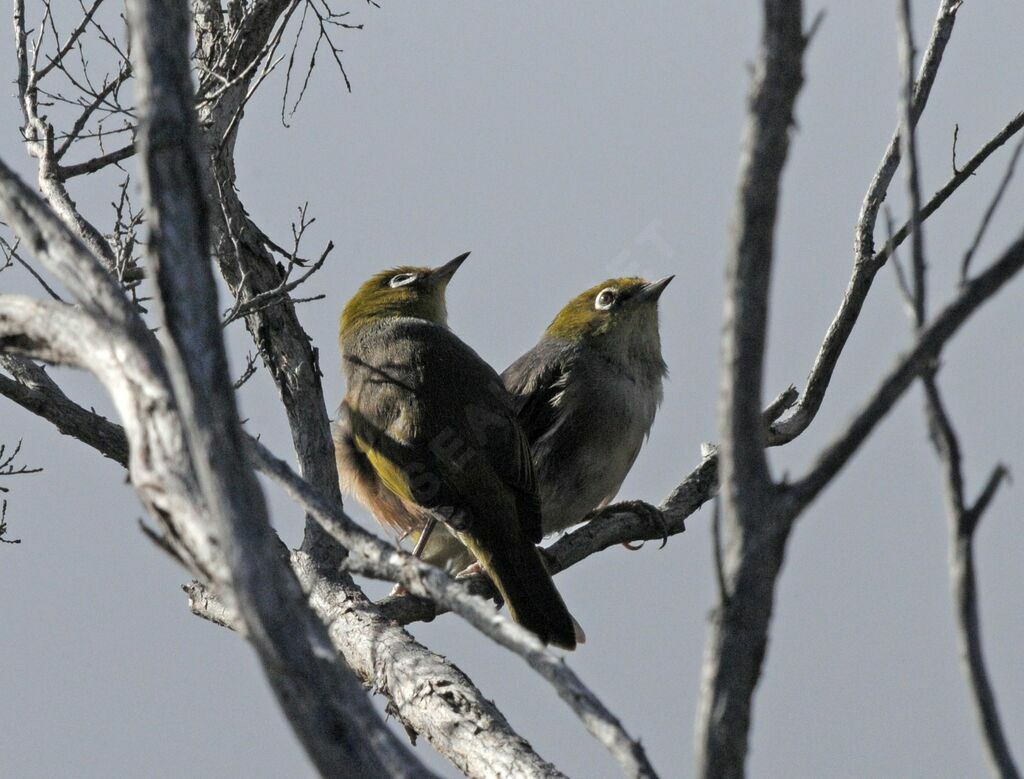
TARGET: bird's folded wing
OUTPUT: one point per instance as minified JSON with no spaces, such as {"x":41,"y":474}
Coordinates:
{"x":455,"y":444}
{"x":536,"y":381}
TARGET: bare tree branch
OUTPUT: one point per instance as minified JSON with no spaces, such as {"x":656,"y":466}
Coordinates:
{"x":429,"y":581}
{"x":8,"y":469}
{"x":326,"y":706}
{"x":91,"y":102}
{"x":280,"y":294}
{"x":79,"y":125}
{"x":12,"y":255}
{"x":865,"y":267}
{"x":965,"y":265}
{"x":240,"y":250}
{"x":959,"y":177}
{"x":908,"y":367}
{"x":3,"y":526}
{"x":908,"y":141}
{"x":64,"y":254}
{"x":942,"y":31}
{"x":963,"y":521}
{"x":97,"y":163}
{"x":754,"y":529}
{"x":32,"y":389}
{"x":856,"y":293}
{"x":7,"y":466}
{"x":43,"y":329}
{"x":428,"y":694}
{"x":237,"y":47}
{"x":969,"y":633}
{"x":80,"y":28}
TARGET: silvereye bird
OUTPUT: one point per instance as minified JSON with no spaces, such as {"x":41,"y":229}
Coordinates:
{"x":427,"y":431}
{"x":586,"y":396}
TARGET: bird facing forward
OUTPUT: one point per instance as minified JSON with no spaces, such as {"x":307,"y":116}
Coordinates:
{"x":427,"y":431}
{"x":587,"y":393}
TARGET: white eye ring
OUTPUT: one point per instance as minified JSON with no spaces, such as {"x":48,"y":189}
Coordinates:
{"x":402,"y":279}
{"x":605,"y":299}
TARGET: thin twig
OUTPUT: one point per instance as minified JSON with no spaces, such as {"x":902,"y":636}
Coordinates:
{"x":866,"y":260}
{"x":7,"y":467}
{"x":908,"y":140}
{"x":956,"y":135}
{"x":897,"y":266}
{"x":965,"y":264}
{"x":842,"y":323}
{"x":83,"y":118}
{"x":963,"y":521}
{"x":250,"y":369}
{"x":3,"y":526}
{"x":11,"y":253}
{"x":907,"y":368}
{"x":279,"y":294}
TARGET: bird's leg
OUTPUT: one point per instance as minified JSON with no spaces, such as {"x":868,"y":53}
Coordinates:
{"x":421,"y":542}
{"x":652,"y":513}
{"x":417,"y":551}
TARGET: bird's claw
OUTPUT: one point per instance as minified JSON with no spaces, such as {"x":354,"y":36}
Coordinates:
{"x":641,"y":508}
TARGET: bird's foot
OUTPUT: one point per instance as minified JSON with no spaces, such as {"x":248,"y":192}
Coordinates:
{"x":474,"y":569}
{"x":643,"y":509}
{"x":397,"y":591}
{"x":470,"y":570}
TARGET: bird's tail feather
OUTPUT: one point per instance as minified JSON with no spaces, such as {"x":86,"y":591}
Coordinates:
{"x":527,"y":588}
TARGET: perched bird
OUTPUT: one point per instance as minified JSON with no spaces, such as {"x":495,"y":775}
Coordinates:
{"x":586,"y":396}
{"x":427,"y":431}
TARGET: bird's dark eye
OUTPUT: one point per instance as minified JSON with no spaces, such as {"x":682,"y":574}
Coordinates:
{"x":605,"y":299}
{"x":402,"y":279}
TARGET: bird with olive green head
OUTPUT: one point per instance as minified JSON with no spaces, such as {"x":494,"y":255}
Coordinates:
{"x":586,"y":396}
{"x":427,"y":432}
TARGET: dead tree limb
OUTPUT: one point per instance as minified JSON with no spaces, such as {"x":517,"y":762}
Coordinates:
{"x":755,"y":531}
{"x":325,"y":704}
{"x":865,"y":265}
{"x":963,"y":519}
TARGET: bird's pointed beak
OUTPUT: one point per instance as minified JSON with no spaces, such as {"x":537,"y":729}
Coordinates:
{"x":444,"y":273}
{"x":652,"y":291}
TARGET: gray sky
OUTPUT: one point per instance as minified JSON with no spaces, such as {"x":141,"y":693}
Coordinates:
{"x":566,"y":143}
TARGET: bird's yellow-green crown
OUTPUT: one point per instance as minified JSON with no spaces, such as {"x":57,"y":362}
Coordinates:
{"x":604,"y":306}
{"x":407,"y":291}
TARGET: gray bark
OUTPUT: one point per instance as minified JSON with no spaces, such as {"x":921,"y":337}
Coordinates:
{"x":240,"y":249}
{"x":324,"y":702}
{"x":755,"y":530}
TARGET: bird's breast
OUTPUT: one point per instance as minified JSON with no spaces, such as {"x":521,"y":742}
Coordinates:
{"x":583,"y":460}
